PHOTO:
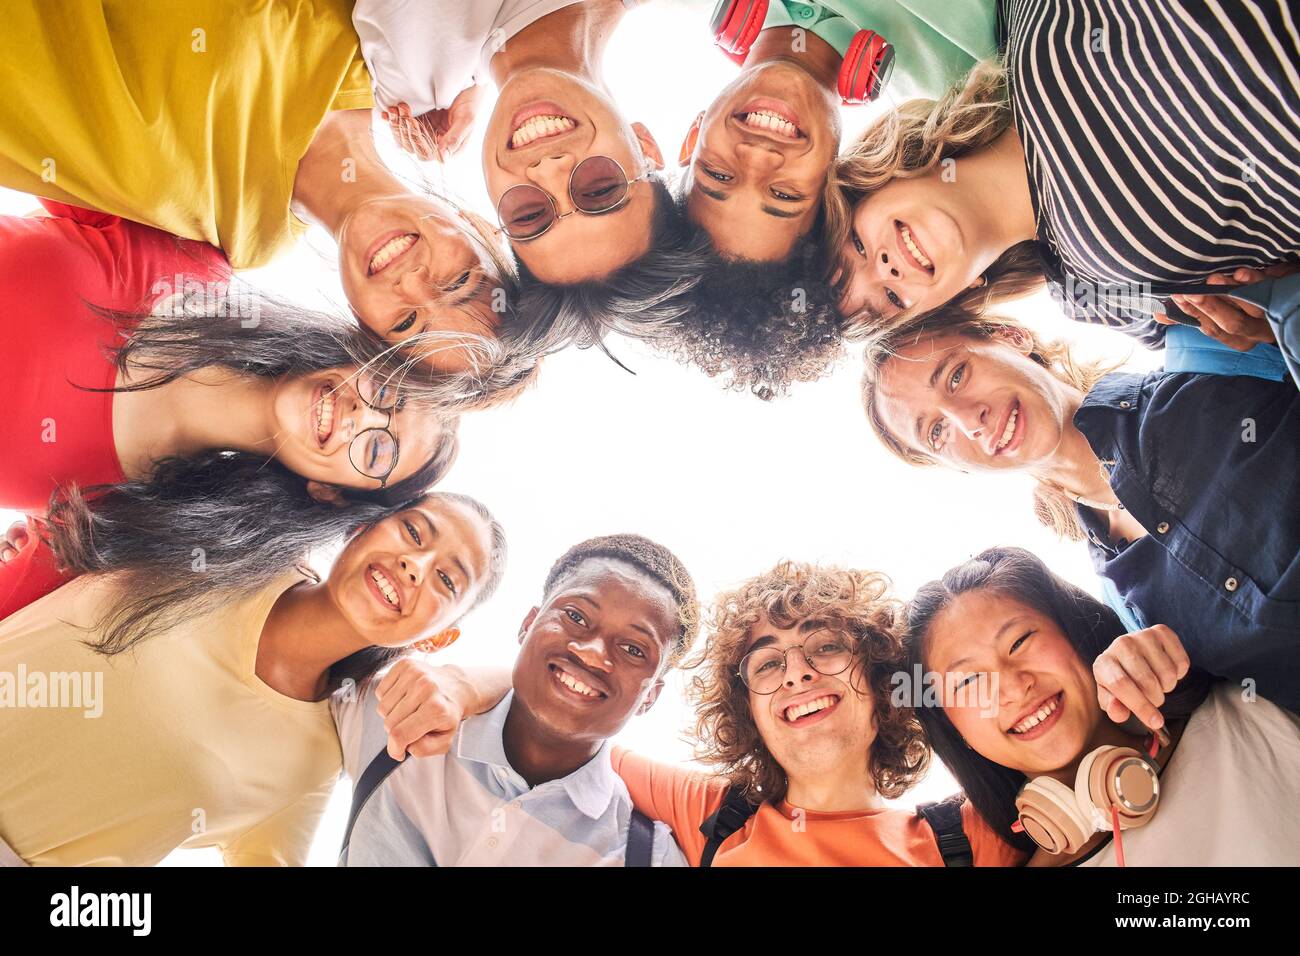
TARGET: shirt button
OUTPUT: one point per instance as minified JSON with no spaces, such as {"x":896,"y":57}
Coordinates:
{"x":1124,"y":405}
{"x":492,"y":843}
{"x":1162,"y":527}
{"x":1230,"y":584}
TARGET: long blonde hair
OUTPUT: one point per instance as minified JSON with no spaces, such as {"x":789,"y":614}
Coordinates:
{"x":1051,"y":506}
{"x":912,"y":141}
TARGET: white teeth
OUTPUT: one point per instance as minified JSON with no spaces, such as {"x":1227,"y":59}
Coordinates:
{"x":539,"y":127}
{"x":811,"y":707}
{"x":914,"y":249}
{"x":1010,"y":429}
{"x":390,"y":250}
{"x":385,"y":585}
{"x":1037,"y":717}
{"x":568,"y":680}
{"x":764,"y":119}
{"x":324,"y":416}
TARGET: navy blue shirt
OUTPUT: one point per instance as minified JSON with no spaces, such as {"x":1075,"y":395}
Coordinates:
{"x":1210,"y":466}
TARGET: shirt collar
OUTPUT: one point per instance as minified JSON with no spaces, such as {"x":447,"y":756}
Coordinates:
{"x":1118,"y":391}
{"x":590,"y":787}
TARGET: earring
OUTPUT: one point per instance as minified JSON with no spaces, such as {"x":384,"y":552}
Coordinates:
{"x":444,"y":639}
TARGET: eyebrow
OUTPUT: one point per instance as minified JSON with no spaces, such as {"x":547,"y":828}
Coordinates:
{"x":934,"y":378}
{"x":996,"y":639}
{"x":712,"y":194}
{"x":782,"y":214}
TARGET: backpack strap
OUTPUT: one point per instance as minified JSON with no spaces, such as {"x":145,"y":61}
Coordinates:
{"x":944,"y":818}
{"x":640,"y":840}
{"x":376,"y":772}
{"x":726,"y":820}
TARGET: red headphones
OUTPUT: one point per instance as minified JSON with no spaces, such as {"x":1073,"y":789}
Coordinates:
{"x":867,"y":64}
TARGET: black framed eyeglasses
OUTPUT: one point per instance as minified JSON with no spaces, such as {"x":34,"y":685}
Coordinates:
{"x":374,"y":452}
{"x":597,"y":185}
{"x":827,"y":651}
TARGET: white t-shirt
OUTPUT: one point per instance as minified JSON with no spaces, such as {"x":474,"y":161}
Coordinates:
{"x":1229,"y":794}
{"x":425,"y":52}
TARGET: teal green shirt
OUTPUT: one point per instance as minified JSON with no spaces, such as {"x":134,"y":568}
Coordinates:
{"x":935,"y":41}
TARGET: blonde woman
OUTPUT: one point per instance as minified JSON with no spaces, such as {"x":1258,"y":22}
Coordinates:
{"x":1183,"y":484}
{"x":1123,"y":150}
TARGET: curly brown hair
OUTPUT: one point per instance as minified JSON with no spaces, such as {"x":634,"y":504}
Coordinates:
{"x":859,"y":602}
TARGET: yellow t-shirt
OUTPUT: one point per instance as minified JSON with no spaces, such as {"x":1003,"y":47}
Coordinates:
{"x":176,"y":743}
{"x":189,"y":116}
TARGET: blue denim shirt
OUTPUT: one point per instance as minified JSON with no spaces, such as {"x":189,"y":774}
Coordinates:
{"x":1210,"y":466}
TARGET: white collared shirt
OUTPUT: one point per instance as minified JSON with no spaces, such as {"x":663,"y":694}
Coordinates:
{"x":470,"y":807}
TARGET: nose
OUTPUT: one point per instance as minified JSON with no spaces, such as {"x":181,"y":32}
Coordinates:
{"x":1014,"y":686}
{"x":592,"y":653}
{"x":413,"y":284}
{"x":971,"y":418}
{"x":412,"y":567}
{"x":887,"y":267}
{"x":797,"y":669}
{"x":551,"y":175}
{"x":758,"y":159}
{"x":366,"y":417}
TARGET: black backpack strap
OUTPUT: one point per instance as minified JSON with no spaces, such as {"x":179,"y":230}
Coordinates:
{"x":726,"y":820}
{"x":640,"y":840}
{"x":375,"y":773}
{"x":944,"y":818}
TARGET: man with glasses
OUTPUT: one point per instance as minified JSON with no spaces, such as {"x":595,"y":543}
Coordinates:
{"x":792,"y":692}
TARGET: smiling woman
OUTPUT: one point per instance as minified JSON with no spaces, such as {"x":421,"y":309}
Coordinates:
{"x":224,"y":708}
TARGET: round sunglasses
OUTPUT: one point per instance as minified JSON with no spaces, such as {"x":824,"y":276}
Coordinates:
{"x":597,"y":185}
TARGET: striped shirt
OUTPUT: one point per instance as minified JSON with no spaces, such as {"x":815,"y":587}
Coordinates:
{"x":1162,"y":142}
{"x":471,"y":808}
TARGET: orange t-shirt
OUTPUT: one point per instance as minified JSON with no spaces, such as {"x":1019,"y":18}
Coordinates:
{"x":782,"y":835}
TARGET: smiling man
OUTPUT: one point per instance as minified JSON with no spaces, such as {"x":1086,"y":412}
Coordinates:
{"x":529,"y":782}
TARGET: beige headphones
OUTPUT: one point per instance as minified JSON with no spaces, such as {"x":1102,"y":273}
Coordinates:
{"x":1115,"y":788}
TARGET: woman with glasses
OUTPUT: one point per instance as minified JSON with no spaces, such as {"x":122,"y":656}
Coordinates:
{"x":217,"y":731}
{"x":237,"y":124}
{"x":224,"y":433}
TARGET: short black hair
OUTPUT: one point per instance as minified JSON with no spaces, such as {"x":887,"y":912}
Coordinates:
{"x":650,"y":558}
{"x":762,"y":326}
{"x":638,"y":299}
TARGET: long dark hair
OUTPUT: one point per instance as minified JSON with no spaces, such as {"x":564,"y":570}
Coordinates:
{"x":370,"y":660}
{"x":220,"y":525}
{"x":1089,"y":626}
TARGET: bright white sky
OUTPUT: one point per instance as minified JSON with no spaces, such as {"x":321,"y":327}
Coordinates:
{"x":730,"y":483}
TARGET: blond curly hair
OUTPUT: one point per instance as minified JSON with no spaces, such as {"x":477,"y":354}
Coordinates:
{"x":860,"y":603}
{"x":1052,"y":507}
{"x":912,"y":141}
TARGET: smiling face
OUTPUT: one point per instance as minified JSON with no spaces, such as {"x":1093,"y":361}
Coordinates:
{"x":1046,"y":697}
{"x":975,"y":403}
{"x":592,"y":654}
{"x":319,"y":415}
{"x":544,"y":124}
{"x":814,"y":722}
{"x":910,"y":248}
{"x":410,"y":264}
{"x":759,"y":161}
{"x":413,"y":574}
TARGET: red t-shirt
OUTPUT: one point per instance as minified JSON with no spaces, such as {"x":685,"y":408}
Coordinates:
{"x":51,"y":432}
{"x":29,"y":575}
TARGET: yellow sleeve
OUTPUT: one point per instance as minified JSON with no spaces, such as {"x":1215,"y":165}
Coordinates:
{"x":354,"y":92}
{"x":282,"y":839}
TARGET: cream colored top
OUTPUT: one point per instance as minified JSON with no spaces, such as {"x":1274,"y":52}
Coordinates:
{"x":176,"y":743}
